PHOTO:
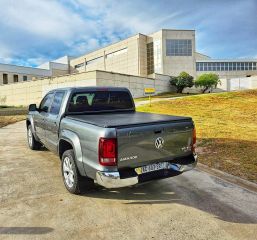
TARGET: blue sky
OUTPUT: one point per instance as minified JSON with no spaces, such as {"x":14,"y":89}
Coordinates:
{"x":35,"y":31}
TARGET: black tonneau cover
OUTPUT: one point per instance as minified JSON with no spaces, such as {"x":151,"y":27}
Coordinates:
{"x":109,"y":120}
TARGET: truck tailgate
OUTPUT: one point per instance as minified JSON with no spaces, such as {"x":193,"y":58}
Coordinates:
{"x":145,"y":144}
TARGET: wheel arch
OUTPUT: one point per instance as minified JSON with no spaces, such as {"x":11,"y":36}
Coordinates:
{"x":70,"y":140}
{"x":64,"y":145}
{"x":28,"y":122}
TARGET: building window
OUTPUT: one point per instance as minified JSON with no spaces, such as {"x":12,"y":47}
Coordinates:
{"x":247,"y":66}
{"x":230,"y":65}
{"x":205,"y":66}
{"x":178,"y":47}
{"x":226,"y":66}
{"x":25,"y":78}
{"x":222,"y":66}
{"x":234,"y":66}
{"x":5,"y":78}
{"x":254,"y":66}
{"x":79,"y":65}
{"x":157,"y":56}
{"x":112,"y":54}
{"x":150,"y":58}
{"x":15,"y":78}
{"x":93,"y":61}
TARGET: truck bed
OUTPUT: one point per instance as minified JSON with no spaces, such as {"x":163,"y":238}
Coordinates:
{"x":111,"y":120}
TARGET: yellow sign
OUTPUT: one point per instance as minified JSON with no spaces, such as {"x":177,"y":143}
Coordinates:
{"x":149,"y":90}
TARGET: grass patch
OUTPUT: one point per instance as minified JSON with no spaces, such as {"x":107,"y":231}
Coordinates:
{"x":165,"y":95}
{"x":13,"y":111}
{"x":5,"y":120}
{"x":226,"y":126}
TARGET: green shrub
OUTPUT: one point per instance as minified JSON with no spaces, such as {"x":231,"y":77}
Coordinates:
{"x":207,"y":80}
{"x":182,"y":81}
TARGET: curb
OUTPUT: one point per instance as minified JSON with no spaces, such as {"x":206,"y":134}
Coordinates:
{"x":228,"y":177}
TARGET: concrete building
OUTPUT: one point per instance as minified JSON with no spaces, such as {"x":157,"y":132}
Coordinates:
{"x":166,"y":52}
{"x":144,"y":55}
{"x":57,"y":67}
{"x":24,"y":93}
{"x":150,"y":57}
{"x":13,"y":74}
{"x":227,"y":68}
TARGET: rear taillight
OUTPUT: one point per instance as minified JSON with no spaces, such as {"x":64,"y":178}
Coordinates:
{"x":194,"y":140}
{"x":107,"y":151}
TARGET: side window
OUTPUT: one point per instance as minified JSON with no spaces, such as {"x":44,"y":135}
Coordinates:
{"x":46,"y":102}
{"x":57,"y":102}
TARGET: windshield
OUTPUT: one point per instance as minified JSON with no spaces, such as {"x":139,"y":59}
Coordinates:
{"x":100,"y":101}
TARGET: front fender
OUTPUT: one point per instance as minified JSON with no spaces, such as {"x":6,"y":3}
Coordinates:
{"x":73,"y":139}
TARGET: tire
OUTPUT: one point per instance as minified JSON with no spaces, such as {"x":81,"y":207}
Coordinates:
{"x":32,"y":142}
{"x":73,"y":181}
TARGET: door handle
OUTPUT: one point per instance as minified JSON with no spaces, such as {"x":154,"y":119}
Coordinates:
{"x":158,"y":131}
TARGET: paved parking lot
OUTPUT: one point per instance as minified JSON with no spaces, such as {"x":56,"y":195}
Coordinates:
{"x":35,"y":205}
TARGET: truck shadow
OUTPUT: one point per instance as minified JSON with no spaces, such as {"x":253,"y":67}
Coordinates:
{"x":168,"y":191}
{"x":184,"y":190}
{"x":187,"y":189}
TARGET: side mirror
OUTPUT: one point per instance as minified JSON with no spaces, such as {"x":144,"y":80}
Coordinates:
{"x":32,"y":107}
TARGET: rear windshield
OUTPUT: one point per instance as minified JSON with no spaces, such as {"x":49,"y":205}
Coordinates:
{"x":100,"y":101}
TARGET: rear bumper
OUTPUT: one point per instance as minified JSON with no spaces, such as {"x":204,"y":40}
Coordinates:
{"x":113,"y":180}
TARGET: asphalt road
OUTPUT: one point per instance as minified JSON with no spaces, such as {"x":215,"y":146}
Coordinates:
{"x":35,"y":205}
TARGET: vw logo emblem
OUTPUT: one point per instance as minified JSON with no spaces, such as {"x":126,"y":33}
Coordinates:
{"x":159,"y":142}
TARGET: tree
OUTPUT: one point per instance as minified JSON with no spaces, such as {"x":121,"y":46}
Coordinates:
{"x":207,"y":80}
{"x":182,"y":81}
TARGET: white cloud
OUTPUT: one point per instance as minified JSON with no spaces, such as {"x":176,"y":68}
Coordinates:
{"x":37,"y":30}
{"x":45,"y":18}
{"x":85,"y":46}
{"x":77,"y":25}
{"x":129,"y":16}
{"x":4,"y":51}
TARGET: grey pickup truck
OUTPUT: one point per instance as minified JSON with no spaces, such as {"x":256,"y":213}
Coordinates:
{"x":101,"y":139}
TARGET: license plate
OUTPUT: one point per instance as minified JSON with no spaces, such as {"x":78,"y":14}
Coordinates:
{"x":151,"y":167}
